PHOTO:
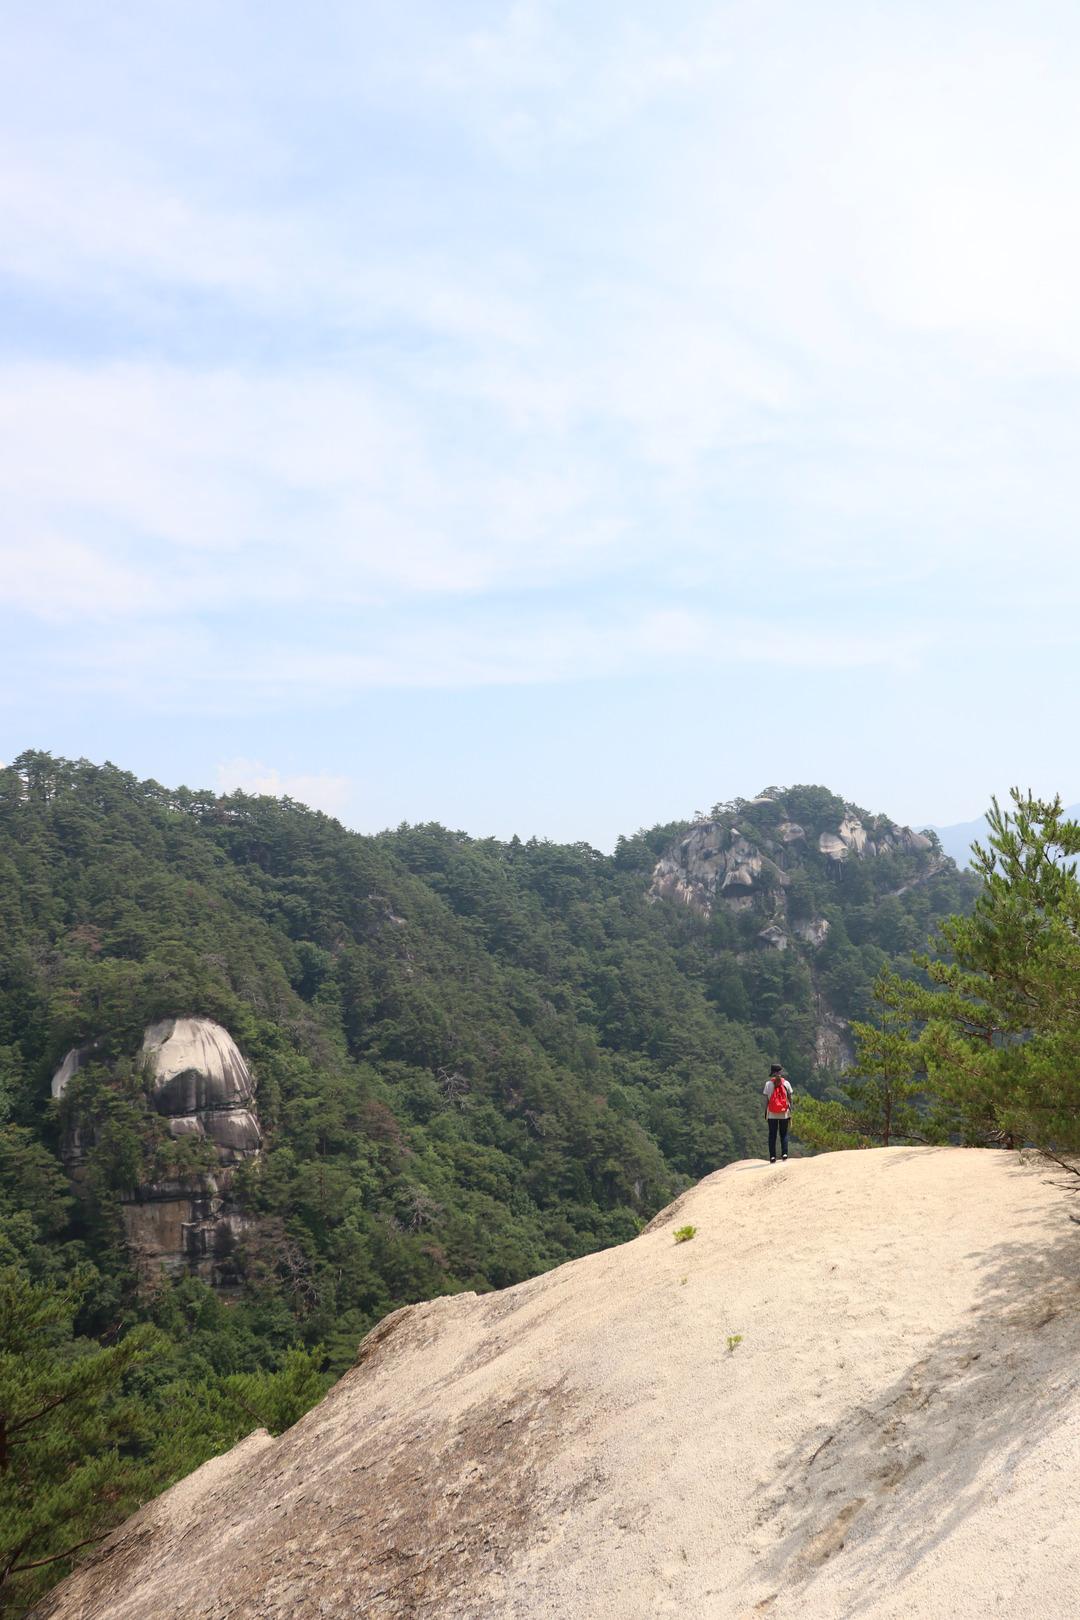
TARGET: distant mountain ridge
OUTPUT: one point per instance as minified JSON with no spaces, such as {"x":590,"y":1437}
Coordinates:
{"x":957,"y":838}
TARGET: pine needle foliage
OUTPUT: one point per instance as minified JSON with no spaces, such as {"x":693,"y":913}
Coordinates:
{"x":1001,"y":1024}
{"x":983,"y":1046}
{"x":69,"y":1436}
{"x":882,"y":1100}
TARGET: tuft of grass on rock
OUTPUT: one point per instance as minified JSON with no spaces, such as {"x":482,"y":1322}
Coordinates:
{"x":685,"y":1233}
{"x":732,"y":1340}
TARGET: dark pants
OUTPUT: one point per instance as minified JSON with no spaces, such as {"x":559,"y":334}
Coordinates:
{"x":783,"y":1124}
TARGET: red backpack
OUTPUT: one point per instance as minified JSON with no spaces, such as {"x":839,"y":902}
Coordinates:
{"x":778,"y":1098}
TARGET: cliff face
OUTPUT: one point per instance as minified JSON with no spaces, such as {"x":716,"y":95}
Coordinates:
{"x":791,"y":868}
{"x":196,"y":1080}
{"x":745,"y":859}
{"x":853,"y":1391}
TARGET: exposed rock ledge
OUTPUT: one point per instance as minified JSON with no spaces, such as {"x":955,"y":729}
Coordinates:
{"x":198,"y":1081}
{"x":608,"y":1439}
{"x":714,"y":861}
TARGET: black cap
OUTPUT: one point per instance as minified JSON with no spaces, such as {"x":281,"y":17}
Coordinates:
{"x":774,"y":1068}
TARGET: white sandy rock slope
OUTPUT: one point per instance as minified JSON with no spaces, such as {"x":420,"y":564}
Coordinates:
{"x":896,"y":1433}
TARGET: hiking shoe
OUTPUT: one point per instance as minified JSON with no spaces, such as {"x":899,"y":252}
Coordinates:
{"x":772,"y":1160}
{"x":784,"y":1157}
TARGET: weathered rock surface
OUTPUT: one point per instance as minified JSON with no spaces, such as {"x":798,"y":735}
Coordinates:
{"x":833,"y":1044}
{"x":608,"y":1439}
{"x":813,"y":931}
{"x":198,"y":1081}
{"x":70,"y":1067}
{"x":194,"y":1066}
{"x":745,"y":864}
{"x":715,"y":861}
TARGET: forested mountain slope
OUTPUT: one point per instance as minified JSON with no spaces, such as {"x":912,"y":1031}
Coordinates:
{"x":474,"y":1060}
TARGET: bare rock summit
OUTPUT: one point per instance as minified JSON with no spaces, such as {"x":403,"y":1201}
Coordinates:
{"x":852,"y":1392}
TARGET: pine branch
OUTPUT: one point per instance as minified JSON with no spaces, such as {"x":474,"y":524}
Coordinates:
{"x":1055,"y":1158}
{"x":39,"y":1563}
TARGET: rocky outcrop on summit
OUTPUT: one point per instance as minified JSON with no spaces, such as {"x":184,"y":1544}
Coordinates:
{"x":715,"y":862}
{"x":850,"y":838}
{"x":198,"y":1082}
{"x":607,"y":1439}
{"x":787,"y":872}
{"x":722,"y":860}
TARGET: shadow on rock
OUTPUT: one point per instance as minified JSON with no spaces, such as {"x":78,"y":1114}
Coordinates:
{"x":910,"y":1462}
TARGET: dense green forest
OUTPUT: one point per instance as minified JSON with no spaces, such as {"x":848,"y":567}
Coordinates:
{"x":475,"y":1060}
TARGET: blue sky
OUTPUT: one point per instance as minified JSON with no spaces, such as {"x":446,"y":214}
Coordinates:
{"x":538,"y":417}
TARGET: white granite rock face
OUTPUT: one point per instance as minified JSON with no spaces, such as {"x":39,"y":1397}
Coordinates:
{"x":198,"y":1081}
{"x":853,"y":834}
{"x":813,"y":931}
{"x":832,"y":845}
{"x":195,"y":1065}
{"x":851,"y":839}
{"x":743,"y":867}
{"x":67,"y":1071}
{"x":712,"y":861}
{"x":582,"y":1447}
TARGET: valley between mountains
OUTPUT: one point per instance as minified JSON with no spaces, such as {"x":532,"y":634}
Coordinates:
{"x":265,"y":1081}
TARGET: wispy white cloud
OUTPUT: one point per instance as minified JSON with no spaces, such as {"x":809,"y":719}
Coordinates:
{"x":312,"y":488}
{"x":170,"y":671}
{"x":742,"y":279}
{"x":534,"y":342}
{"x":54,"y":579}
{"x":320,"y":791}
{"x":540,"y":73}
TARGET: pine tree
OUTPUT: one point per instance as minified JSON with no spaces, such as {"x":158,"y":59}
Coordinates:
{"x":992,"y":1042}
{"x":1001,"y":1040}
{"x":64,"y":1426}
{"x":881,"y":1091}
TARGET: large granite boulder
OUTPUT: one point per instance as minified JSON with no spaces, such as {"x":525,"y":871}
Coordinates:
{"x":197,"y":1081}
{"x":851,"y":838}
{"x":194,"y":1065}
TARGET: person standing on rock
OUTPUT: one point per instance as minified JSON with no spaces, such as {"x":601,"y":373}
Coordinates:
{"x":777,"y":1110}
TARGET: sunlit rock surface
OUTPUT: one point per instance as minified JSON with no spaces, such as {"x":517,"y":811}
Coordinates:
{"x":745,"y":861}
{"x":712,"y":862}
{"x":198,"y":1082}
{"x":813,"y":931}
{"x":853,"y":1394}
{"x":718,"y":862}
{"x":195,"y":1065}
{"x":67,"y":1071}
